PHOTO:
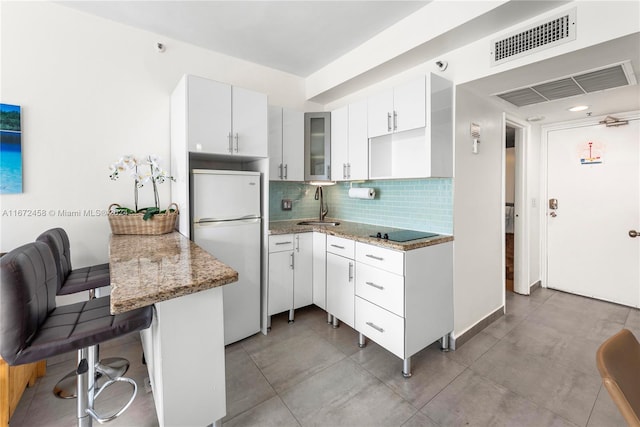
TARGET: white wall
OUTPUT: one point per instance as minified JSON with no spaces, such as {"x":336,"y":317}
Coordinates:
{"x":477,"y":220}
{"x":92,"y":90}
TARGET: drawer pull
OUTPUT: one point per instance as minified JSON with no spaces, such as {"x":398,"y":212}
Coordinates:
{"x":337,"y":246}
{"x":377,"y":328}
{"x":374,"y":285}
{"x":375,"y":257}
{"x":283,"y":243}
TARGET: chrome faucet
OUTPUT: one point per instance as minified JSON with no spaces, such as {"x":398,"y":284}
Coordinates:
{"x":323,"y":209}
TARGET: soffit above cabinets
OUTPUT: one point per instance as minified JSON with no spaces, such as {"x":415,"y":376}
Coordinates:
{"x":609,"y":77}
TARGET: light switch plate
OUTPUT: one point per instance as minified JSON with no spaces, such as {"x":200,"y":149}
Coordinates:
{"x":286,"y":204}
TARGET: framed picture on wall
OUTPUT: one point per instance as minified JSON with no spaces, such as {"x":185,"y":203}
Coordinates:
{"x":10,"y":149}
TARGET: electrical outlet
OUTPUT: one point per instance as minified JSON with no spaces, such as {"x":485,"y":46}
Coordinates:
{"x":286,"y":204}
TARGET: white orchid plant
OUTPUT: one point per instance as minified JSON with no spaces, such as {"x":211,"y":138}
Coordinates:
{"x":143,"y":170}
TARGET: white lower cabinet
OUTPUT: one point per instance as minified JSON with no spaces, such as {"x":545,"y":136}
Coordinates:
{"x":290,"y":274}
{"x":341,"y":279}
{"x":382,"y":326}
{"x":319,"y":278}
{"x":404,"y":300}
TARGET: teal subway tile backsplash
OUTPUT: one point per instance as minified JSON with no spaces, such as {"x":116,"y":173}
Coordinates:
{"x":302,"y":196}
{"x":417,"y":204}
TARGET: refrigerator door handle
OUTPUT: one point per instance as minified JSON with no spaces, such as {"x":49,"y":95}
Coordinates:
{"x":240,"y":218}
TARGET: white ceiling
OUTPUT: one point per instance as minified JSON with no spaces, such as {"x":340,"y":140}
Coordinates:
{"x":298,"y":37}
{"x":623,"y":99}
{"x":303,"y":36}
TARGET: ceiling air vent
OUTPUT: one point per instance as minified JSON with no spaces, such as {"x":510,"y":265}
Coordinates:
{"x":542,"y":35}
{"x":609,"y":77}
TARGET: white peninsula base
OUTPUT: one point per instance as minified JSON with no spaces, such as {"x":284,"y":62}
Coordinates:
{"x":184,"y":351}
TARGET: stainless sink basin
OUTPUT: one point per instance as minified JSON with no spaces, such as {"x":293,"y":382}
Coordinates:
{"x":328,"y":223}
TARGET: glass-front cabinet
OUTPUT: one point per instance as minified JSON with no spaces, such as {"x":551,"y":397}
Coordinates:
{"x":317,"y":146}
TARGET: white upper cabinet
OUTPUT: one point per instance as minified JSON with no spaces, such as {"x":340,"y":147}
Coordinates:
{"x":221,"y":119}
{"x":358,"y":141}
{"x":399,"y":109}
{"x":349,"y":142}
{"x":420,"y":143}
{"x":208,"y":115}
{"x":286,"y":144}
{"x":249,"y":122}
{"x":339,"y":143}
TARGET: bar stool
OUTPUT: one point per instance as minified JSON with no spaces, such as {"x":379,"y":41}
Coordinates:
{"x":33,"y":328}
{"x":71,"y":281}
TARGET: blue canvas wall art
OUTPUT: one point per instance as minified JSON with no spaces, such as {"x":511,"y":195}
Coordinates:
{"x":10,"y":149}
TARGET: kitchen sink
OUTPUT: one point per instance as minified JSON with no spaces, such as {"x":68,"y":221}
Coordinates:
{"x":328,"y":223}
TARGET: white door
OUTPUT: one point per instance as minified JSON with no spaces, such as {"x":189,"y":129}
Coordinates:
{"x":275,"y":143}
{"x":358,"y":142}
{"x":341,"y":288}
{"x":293,"y":145}
{"x":237,"y":244}
{"x":249,"y":123}
{"x":303,"y":270}
{"x":281,"y":265}
{"x":593,"y":173}
{"x":339,"y":143}
{"x":209,"y":116}
{"x":380,"y":110}
{"x":409,"y":105}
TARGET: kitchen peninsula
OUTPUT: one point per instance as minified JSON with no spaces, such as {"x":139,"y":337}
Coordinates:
{"x":184,"y":347}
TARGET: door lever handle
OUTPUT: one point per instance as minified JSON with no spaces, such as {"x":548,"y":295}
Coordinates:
{"x":634,"y":233}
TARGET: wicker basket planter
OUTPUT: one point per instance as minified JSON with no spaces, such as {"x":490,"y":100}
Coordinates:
{"x":134,"y":224}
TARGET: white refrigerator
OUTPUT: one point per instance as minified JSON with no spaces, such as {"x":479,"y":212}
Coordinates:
{"x":227,"y":224}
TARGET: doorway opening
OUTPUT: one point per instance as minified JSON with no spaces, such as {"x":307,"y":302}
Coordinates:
{"x":515,"y":218}
{"x":509,"y":206}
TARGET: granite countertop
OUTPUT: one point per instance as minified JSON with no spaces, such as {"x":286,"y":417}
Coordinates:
{"x":149,"y":269}
{"x":356,"y":231}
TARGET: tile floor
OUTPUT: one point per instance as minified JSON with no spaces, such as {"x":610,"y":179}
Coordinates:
{"x":535,"y":366}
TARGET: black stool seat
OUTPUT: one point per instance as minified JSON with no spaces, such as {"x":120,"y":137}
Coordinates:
{"x":70,"y":327}
{"x":70,"y":280}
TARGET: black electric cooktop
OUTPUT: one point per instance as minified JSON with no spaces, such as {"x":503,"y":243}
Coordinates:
{"x":403,"y":235}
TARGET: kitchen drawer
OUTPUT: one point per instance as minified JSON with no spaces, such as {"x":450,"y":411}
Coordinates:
{"x":380,"y":325}
{"x":341,"y":246}
{"x":281,"y":242}
{"x":383,"y":258}
{"x":380,"y":287}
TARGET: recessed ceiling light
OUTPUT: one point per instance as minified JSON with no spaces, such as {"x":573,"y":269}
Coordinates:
{"x":578,"y":108}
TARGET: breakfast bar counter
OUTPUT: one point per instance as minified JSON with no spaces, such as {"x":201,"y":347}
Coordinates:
{"x":184,"y":346}
{"x":149,"y":269}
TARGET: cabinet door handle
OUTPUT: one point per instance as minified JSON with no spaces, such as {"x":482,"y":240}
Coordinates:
{"x":344,"y":171}
{"x":388,"y":122}
{"x":374,"y":285}
{"x":292,"y":261}
{"x":286,"y":173}
{"x":280,"y":167}
{"x":297,"y":243}
{"x":336,"y":246}
{"x":375,"y":257}
{"x":283,"y":243}
{"x":349,"y":170}
{"x":395,"y":120}
{"x":350,"y":271}
{"x":376,"y":327}
{"x":230,"y":138}
{"x":237,"y":145}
